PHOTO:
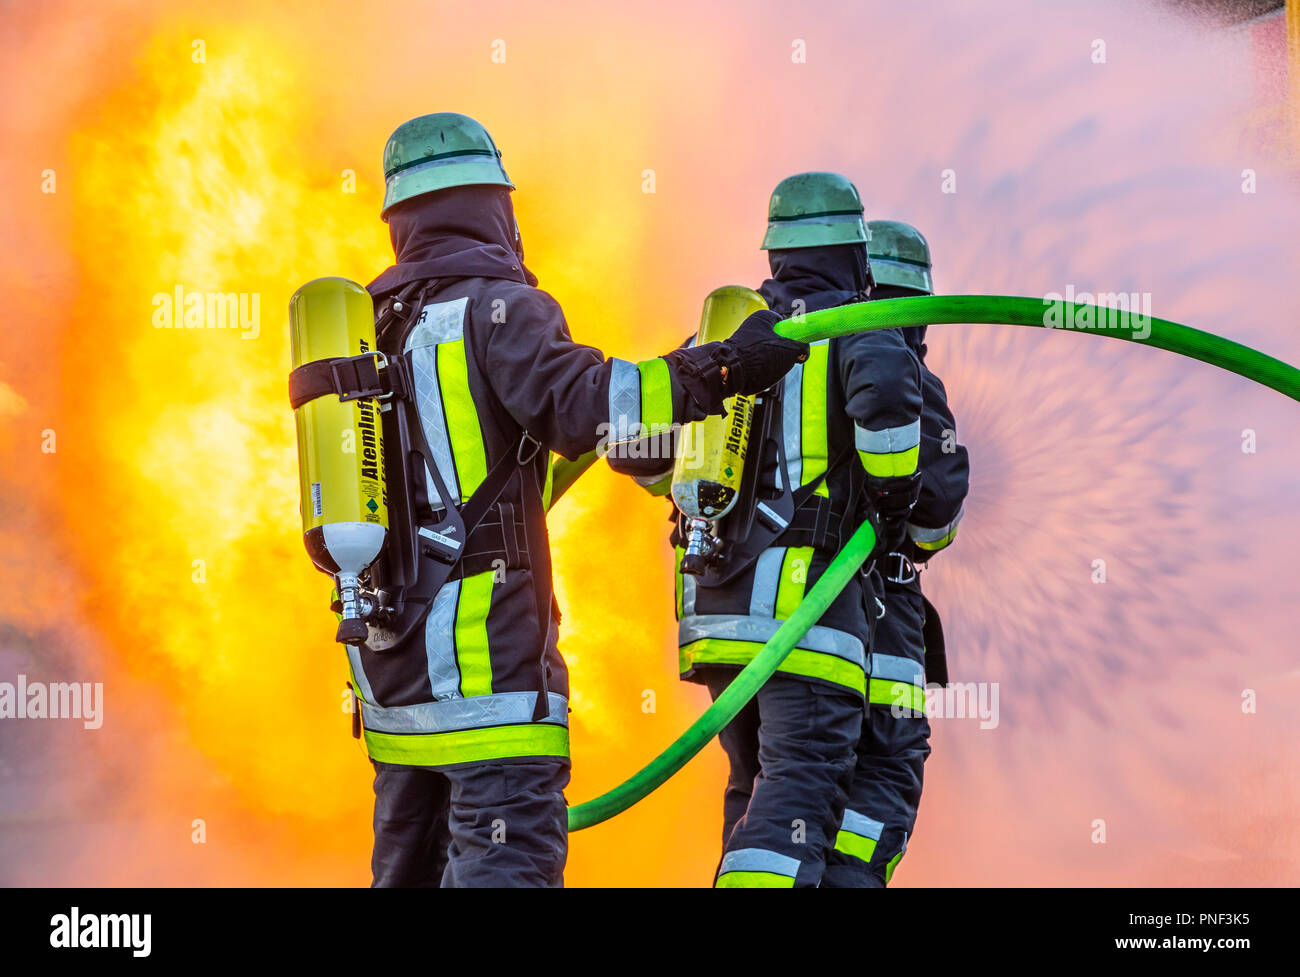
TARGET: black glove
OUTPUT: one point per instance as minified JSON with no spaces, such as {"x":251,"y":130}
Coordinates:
{"x":755,"y":357}
{"x":891,"y":501}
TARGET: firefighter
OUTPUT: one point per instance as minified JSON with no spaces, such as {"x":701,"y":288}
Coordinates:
{"x":465,"y":719}
{"x":907,"y":650}
{"x":841,"y":434}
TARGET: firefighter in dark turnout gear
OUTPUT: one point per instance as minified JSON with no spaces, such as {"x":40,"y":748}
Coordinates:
{"x":907,"y":648}
{"x":845,"y":420}
{"x":466,"y":718}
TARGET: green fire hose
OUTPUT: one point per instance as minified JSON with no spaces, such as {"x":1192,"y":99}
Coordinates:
{"x":887,"y":314}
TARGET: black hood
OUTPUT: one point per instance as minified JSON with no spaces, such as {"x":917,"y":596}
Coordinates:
{"x":462,"y":232}
{"x":915,"y":335}
{"x":822,"y":278}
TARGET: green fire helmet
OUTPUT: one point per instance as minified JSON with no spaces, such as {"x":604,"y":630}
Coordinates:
{"x":434,"y":152}
{"x":809,"y":210}
{"x":899,"y":256}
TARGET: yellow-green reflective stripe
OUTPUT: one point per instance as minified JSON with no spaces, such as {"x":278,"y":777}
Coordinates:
{"x":855,"y":845}
{"x":938,"y":544}
{"x":886,"y":692}
{"x":892,"y":464}
{"x":549,"y":487}
{"x":812,"y":434}
{"x":753,"y":880}
{"x":462,"y":417}
{"x":656,"y":396}
{"x":809,"y":664}
{"x":473,"y":656}
{"x":469,"y":745}
{"x":794,"y":580}
{"x":893,"y":864}
{"x":679,"y":552}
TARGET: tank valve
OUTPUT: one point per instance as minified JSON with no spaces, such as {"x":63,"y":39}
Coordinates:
{"x":700,"y":546}
{"x":355,"y":608}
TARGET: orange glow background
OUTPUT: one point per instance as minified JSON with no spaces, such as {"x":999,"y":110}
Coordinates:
{"x":1119,"y":701}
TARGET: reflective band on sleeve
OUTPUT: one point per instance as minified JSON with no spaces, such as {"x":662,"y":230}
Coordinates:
{"x":758,"y":860}
{"x":805,"y":664}
{"x":624,"y":400}
{"x":897,"y":669}
{"x":794,"y":580}
{"x":500,"y":709}
{"x":934,"y":539}
{"x":656,"y":397}
{"x":472,"y":652}
{"x":468,"y":745}
{"x":900,"y":695}
{"x":742,"y":627}
{"x":891,"y":452}
{"x":813,"y":434}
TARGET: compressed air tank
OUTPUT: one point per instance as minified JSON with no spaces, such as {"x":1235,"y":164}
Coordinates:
{"x":711,"y":453}
{"x":340,"y":445}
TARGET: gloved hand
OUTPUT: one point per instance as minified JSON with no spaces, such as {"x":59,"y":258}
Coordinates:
{"x":892,"y":501}
{"x":755,"y":357}
{"x":749,"y":362}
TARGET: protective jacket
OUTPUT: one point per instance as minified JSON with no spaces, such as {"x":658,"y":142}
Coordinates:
{"x":853,"y":408}
{"x":491,"y":358}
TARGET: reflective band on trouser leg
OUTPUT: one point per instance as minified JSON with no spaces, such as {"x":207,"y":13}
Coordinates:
{"x":893,"y":864}
{"x":812,"y":426}
{"x":656,"y":397}
{"x":473,"y":655}
{"x":756,"y":868}
{"x":897,"y":682}
{"x":891,"y":452}
{"x":487,"y":727}
{"x":934,"y":539}
{"x":858,"y":835}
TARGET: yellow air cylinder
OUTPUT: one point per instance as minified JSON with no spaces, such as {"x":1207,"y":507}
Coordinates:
{"x":711,"y":453}
{"x":340,"y":445}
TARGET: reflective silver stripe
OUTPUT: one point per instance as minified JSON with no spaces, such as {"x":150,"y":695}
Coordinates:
{"x":816,"y":219}
{"x":887,"y":441}
{"x":440,"y":642}
{"x":741,"y":627}
{"x":429,"y":164}
{"x":792,"y":424}
{"x":439,"y":322}
{"x":624,"y":400}
{"x":759,"y":860}
{"x":772,"y":514}
{"x":498,"y":709}
{"x":359,"y":674}
{"x":767,"y":579}
{"x":920,"y":535}
{"x":646,"y":481}
{"x":688,"y":594}
{"x":893,"y":668}
{"x":862,"y":825}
